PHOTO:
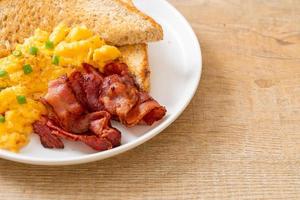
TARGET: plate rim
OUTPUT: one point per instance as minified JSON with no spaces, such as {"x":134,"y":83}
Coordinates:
{"x":130,"y":145}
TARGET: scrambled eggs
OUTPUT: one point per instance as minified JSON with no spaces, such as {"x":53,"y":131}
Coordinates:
{"x":24,"y":75}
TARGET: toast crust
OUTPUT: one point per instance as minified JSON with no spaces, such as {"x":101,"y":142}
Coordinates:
{"x":130,"y":6}
{"x":117,"y":22}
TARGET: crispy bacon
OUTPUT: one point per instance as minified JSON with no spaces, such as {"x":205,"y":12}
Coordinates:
{"x":100,"y":137}
{"x":118,"y":95}
{"x":101,"y":126}
{"x":121,"y":98}
{"x":86,"y":86}
{"x":75,"y":81}
{"x":66,"y":111}
{"x":115,"y":68}
{"x":48,"y":139}
{"x":81,"y":107}
{"x":96,"y":142}
{"x":147,"y":110}
{"x":66,"y":107}
{"x":92,"y":82}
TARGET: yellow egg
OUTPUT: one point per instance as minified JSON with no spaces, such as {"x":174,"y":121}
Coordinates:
{"x":104,"y":54}
{"x":27,"y":74}
{"x":78,"y":33}
{"x":59,"y":33}
{"x":78,"y":48}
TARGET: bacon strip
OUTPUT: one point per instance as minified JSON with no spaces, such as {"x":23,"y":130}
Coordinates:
{"x":66,"y":107}
{"x":116,"y":68}
{"x":101,"y":126}
{"x":76,"y":83}
{"x":95,"y":142}
{"x":121,"y":98}
{"x":86,"y":87}
{"x":81,"y":106}
{"x":101,"y":136}
{"x":147,"y":110}
{"x":92,"y":82}
{"x":48,"y":139}
{"x":71,"y":119}
{"x":118,"y":95}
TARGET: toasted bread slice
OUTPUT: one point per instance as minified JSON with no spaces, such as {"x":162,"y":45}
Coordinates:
{"x":116,"y":21}
{"x":129,"y":2}
{"x":136,"y":57}
{"x":19,"y":18}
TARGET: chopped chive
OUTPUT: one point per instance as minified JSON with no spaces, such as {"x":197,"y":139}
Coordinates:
{"x":3,"y":73}
{"x":17,"y":53}
{"x":55,"y":60}
{"x":27,"y":69}
{"x":33,"y":50}
{"x":49,"y":45}
{"x":2,"y":119}
{"x":21,"y":99}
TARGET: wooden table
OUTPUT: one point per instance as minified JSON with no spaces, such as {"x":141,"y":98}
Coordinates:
{"x":238,"y":139}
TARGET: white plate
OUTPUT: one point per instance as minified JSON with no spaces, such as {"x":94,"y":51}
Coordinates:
{"x":176,"y":70}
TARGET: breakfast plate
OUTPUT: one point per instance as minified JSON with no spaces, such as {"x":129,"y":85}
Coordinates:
{"x":176,"y":66}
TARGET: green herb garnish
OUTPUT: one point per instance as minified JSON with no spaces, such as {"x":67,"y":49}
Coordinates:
{"x":21,"y":99}
{"x":33,"y":50}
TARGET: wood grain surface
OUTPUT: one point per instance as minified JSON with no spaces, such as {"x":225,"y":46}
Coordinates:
{"x":238,"y":139}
